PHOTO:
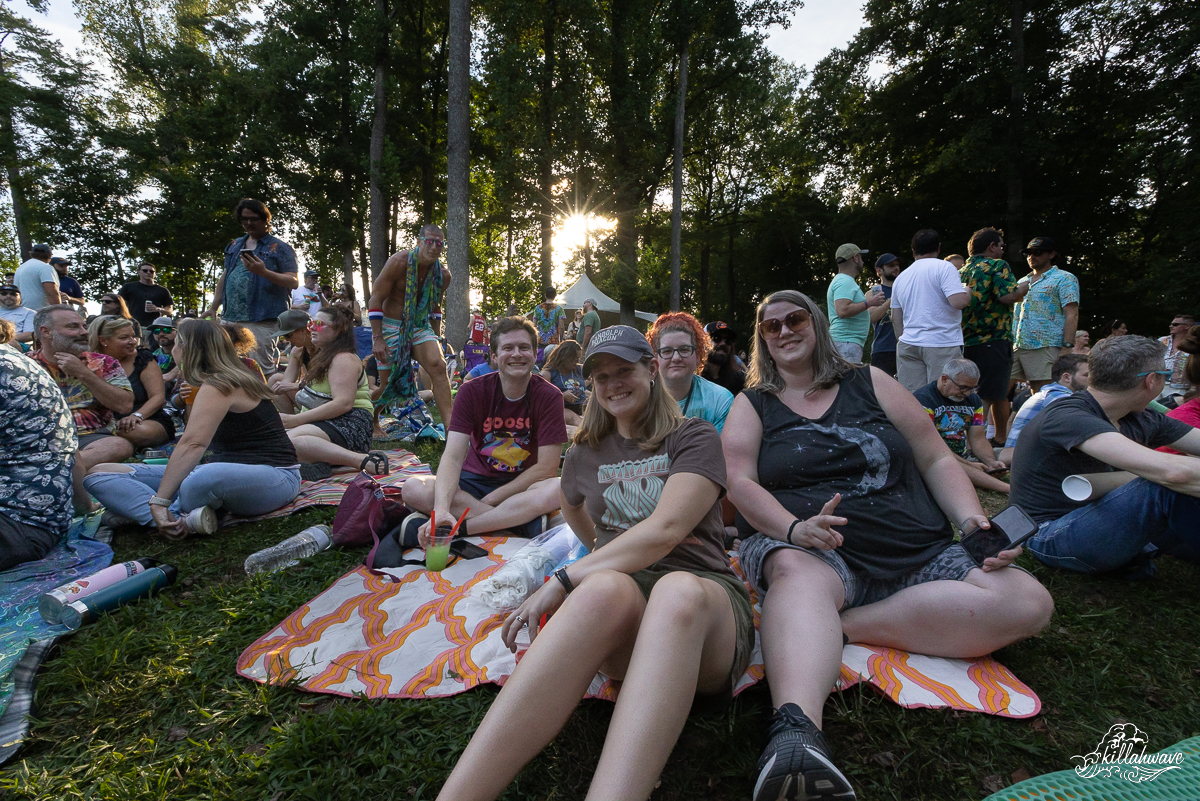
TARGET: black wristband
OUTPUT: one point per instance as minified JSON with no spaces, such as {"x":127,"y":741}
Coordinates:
{"x":564,"y":579}
{"x":791,"y":528}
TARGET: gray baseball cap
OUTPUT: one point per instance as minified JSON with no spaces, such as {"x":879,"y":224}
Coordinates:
{"x":621,"y":341}
{"x":162,"y":322}
{"x":291,"y":321}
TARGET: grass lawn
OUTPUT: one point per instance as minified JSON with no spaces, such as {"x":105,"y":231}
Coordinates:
{"x":145,"y":704}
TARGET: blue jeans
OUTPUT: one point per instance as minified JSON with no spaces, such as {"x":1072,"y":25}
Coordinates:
{"x":243,"y":489}
{"x":1109,"y":533}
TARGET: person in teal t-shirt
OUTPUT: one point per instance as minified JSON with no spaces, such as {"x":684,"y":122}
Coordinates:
{"x":681,"y":347}
{"x":847,"y":306}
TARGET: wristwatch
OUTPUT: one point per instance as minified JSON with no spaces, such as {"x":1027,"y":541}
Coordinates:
{"x":138,"y":415}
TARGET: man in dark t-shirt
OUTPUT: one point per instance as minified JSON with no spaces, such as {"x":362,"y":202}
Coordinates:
{"x":503,"y":447}
{"x":1100,"y":430}
{"x":146,"y":300}
{"x":723,"y":367}
{"x":957,"y":413}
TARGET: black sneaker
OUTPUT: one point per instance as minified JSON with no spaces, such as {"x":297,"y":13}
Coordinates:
{"x":797,"y":764}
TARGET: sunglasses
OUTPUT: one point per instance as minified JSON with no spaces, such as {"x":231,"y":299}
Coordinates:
{"x":157,"y":331}
{"x":1154,"y":372}
{"x":666,"y":354}
{"x":795,"y":321}
{"x":317,"y":325}
{"x":9,"y":292}
{"x":434,"y":243}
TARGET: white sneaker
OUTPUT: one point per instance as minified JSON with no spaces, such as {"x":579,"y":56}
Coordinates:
{"x":201,"y":521}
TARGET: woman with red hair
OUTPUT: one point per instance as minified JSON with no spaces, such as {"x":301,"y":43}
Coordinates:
{"x":681,"y":348}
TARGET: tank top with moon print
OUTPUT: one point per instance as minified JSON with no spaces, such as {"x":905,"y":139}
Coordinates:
{"x":895,"y":526}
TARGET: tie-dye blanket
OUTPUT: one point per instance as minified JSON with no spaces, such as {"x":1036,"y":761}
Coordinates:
{"x":22,"y":627}
{"x":416,"y":634}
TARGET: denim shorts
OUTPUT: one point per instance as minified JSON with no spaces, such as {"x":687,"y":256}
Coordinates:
{"x":952,"y":564}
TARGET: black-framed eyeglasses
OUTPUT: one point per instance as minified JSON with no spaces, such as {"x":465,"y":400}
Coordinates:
{"x":9,"y":292}
{"x":1181,"y":322}
{"x":148,"y":271}
{"x":666,"y":354}
{"x":965,"y":390}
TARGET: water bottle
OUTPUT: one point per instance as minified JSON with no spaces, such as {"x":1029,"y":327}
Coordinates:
{"x":289,"y":552}
{"x":52,"y":603}
{"x":142,"y":585}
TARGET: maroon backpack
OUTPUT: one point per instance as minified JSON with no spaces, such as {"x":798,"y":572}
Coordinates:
{"x":367,"y":511}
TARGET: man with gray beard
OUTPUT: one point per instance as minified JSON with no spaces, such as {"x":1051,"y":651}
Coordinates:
{"x":95,"y":385}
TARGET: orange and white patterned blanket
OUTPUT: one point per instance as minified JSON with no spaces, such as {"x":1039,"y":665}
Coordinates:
{"x":415,"y":634}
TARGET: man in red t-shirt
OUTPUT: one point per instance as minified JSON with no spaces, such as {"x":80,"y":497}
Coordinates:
{"x":479,"y":330}
{"x":502,"y":447}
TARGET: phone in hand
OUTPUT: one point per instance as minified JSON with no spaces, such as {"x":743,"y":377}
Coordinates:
{"x":1009,"y":529}
{"x":247,"y":252}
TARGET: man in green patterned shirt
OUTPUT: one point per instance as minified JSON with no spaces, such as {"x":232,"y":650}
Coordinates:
{"x":987,"y":322}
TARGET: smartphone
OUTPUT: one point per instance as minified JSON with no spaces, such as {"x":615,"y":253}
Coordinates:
{"x":467,"y":550}
{"x":1009,"y":529}
{"x":247,"y":251}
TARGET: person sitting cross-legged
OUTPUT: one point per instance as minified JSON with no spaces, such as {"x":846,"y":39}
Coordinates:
{"x":147,"y":426}
{"x":502,"y":447}
{"x":95,"y":386}
{"x":957,"y":413}
{"x":36,"y":458}
{"x":655,"y":604}
{"x":563,"y":371}
{"x":336,"y":418}
{"x":845,"y":491}
{"x":1070,"y":373}
{"x":1105,"y":428}
{"x":252,"y":467}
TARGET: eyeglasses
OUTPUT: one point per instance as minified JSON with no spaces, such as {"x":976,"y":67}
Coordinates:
{"x":965,"y":390}
{"x":9,"y":292}
{"x":317,"y":325}
{"x":1154,"y":372}
{"x":434,"y":243}
{"x":1181,"y":322}
{"x":150,"y":272}
{"x":666,"y":354}
{"x":1034,"y":252}
{"x":157,"y":331}
{"x":797,"y":320}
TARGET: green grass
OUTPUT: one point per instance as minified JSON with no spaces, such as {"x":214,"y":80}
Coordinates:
{"x":145,"y":704}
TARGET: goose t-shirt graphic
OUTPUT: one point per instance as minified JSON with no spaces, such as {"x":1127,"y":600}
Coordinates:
{"x":505,"y":434}
{"x":621,"y":485}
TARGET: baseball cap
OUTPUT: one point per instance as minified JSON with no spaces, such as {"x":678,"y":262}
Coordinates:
{"x":886,"y":258}
{"x":9,"y":286}
{"x":848,"y":251}
{"x":621,"y":341}
{"x":162,"y":322}
{"x":290,"y":321}
{"x":1040,"y":243}
{"x":712,"y":329}
{"x":591,"y":301}
{"x":307,"y":273}
{"x":60,"y":260}
{"x":40,"y":248}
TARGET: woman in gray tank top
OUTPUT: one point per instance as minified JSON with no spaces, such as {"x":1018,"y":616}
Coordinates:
{"x":845,"y":494}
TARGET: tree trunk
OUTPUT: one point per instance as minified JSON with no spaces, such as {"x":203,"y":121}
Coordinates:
{"x":705,"y":261}
{"x":458,"y":165}
{"x":16,"y":182}
{"x":1015,"y":226}
{"x":379,"y":204}
{"x":546,"y":188}
{"x":677,"y":181}
{"x":625,"y":192}
{"x":730,"y":272}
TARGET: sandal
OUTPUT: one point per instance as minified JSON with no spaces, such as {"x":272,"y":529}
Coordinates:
{"x":378,"y":462}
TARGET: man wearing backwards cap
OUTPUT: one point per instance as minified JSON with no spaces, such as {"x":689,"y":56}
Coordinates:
{"x":848,"y":308}
{"x":723,"y":367}
{"x":1047,"y":317}
{"x":589,"y":325}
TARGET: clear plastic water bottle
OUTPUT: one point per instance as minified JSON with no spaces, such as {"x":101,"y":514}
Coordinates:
{"x":289,"y":552}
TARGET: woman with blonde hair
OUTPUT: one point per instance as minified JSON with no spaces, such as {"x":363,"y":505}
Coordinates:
{"x":147,"y":426}
{"x":252,"y":468}
{"x":336,"y":418}
{"x":655,"y":604}
{"x":845,"y":492}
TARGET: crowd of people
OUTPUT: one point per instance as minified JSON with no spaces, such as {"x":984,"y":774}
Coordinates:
{"x":840,"y":458}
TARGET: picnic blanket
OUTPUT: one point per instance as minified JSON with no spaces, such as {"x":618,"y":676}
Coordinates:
{"x":329,"y":491}
{"x":26,"y":639}
{"x":415,"y":634}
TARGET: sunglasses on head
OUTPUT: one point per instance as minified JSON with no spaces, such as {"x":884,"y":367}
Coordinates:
{"x":797,"y":320}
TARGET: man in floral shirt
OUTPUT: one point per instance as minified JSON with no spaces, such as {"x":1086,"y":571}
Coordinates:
{"x":95,"y":386}
{"x":35,"y":462}
{"x":987,"y":321}
{"x":1047,"y":317}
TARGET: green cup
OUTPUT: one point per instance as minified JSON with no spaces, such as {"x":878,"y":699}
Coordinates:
{"x":436,"y":557}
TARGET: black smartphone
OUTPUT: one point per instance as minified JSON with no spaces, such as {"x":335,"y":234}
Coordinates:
{"x":1009,"y":529}
{"x":467,"y":550}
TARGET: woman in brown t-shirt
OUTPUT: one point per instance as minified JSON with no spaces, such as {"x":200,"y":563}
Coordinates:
{"x":656,"y":604}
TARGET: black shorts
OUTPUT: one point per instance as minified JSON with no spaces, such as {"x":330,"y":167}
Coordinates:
{"x":478,"y":486}
{"x":96,"y":436}
{"x":994,"y":360}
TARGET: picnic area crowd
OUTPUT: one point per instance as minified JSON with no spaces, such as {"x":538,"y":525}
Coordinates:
{"x":839,"y":484}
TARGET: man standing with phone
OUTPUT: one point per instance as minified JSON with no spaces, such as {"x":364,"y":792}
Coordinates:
{"x":259,"y":276}
{"x":146,"y":300}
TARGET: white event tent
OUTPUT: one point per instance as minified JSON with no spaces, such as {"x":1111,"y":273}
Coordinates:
{"x":608,"y":309}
